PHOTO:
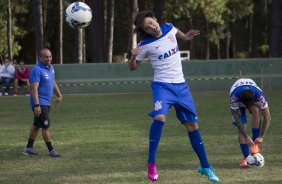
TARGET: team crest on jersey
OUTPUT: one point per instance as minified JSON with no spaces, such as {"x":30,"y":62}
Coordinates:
{"x":172,"y":38}
{"x":46,"y":75}
{"x":158,"y":105}
{"x":46,"y":123}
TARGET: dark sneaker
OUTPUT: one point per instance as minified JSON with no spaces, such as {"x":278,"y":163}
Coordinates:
{"x":54,"y":153}
{"x":29,"y":151}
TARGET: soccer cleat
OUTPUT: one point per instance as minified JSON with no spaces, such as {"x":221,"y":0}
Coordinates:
{"x":254,"y":149}
{"x":27,"y":94}
{"x":29,"y":151}
{"x":152,"y":172}
{"x":54,"y":153}
{"x":243,"y":163}
{"x":6,"y":94}
{"x":209,"y":173}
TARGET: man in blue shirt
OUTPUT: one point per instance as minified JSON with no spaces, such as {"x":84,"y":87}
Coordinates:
{"x":43,"y":84}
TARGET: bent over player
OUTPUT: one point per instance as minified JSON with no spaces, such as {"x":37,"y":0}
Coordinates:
{"x":246,"y":95}
{"x":169,"y":88}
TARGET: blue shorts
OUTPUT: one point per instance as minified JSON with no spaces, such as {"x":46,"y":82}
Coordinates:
{"x":178,"y":95}
{"x":243,"y":116}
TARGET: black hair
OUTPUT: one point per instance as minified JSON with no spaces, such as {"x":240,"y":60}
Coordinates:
{"x":139,"y":19}
{"x":248,"y":97}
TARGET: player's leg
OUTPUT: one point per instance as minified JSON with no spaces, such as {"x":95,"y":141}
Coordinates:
{"x":255,"y":128}
{"x":243,"y":146}
{"x":160,"y":109}
{"x":45,"y":123}
{"x":186,"y":114}
{"x":154,"y":139}
{"x":198,"y":146}
{"x":29,"y":150}
{"x":16,"y":85}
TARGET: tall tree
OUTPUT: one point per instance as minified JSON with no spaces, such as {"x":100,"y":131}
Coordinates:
{"x":61,"y":11}
{"x":38,"y":19}
{"x":95,"y":30}
{"x":132,"y":38}
{"x":276,"y":29}
{"x":110,"y":31}
{"x":9,"y":30}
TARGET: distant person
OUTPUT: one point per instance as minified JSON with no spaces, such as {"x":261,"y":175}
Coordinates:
{"x":22,"y":77}
{"x":159,"y":44}
{"x":7,"y":76}
{"x":42,"y":78}
{"x":246,"y":95}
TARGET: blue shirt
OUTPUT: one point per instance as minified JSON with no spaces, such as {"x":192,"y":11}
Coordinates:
{"x":45,"y":76}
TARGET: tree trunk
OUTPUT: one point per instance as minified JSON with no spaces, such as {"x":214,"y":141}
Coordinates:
{"x":228,"y":40}
{"x":104,"y":30}
{"x":218,"y":50}
{"x":276,"y":29}
{"x":110,"y":31}
{"x":79,"y":45}
{"x":95,"y":31}
{"x":61,"y":20}
{"x":208,"y":43}
{"x":132,"y":39}
{"x":250,"y":42}
{"x":9,"y":31}
{"x":37,"y":14}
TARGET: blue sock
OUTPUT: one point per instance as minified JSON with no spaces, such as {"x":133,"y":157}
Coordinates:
{"x":154,"y":139}
{"x":245,"y":150}
{"x":255,"y":132}
{"x":198,"y":146}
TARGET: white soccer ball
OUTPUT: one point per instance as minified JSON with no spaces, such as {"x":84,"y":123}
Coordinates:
{"x":78,"y":15}
{"x":255,"y":160}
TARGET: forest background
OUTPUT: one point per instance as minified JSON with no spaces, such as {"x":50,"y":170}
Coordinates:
{"x":229,"y":29}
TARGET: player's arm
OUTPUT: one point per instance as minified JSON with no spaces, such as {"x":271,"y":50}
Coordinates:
{"x":132,"y":63}
{"x":34,"y":94}
{"x":241,"y":128}
{"x":58,"y":94}
{"x":266,"y":122}
{"x":188,"y":36}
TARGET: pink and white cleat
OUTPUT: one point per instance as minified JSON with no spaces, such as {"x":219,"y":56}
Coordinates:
{"x":152,"y":172}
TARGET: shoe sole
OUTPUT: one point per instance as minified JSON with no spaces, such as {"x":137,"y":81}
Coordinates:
{"x":28,"y":154}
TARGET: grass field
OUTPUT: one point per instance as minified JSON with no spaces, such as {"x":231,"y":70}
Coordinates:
{"x":103,"y":139}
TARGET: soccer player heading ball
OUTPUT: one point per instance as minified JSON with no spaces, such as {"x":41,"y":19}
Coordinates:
{"x":245,"y":94}
{"x":159,"y":44}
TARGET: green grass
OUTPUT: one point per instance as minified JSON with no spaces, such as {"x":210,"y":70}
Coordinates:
{"x":103,"y":139}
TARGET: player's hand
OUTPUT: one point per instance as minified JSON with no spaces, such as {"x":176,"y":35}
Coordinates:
{"x":135,"y":52}
{"x":258,"y":140}
{"x":191,"y":34}
{"x":249,"y":141}
{"x":37,"y":111}
{"x":58,"y":101}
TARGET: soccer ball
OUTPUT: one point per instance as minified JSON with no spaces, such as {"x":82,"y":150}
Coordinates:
{"x":255,"y":160}
{"x":78,"y":15}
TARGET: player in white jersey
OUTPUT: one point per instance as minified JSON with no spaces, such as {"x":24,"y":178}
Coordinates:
{"x":159,"y":44}
{"x":245,"y":94}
